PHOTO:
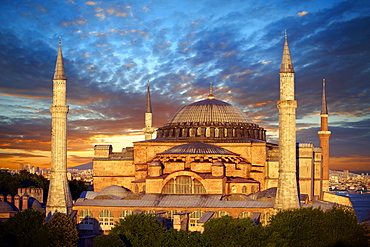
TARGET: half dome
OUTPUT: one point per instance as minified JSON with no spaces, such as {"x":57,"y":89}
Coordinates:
{"x":198,"y":148}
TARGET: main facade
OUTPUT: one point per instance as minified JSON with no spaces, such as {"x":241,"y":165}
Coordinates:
{"x":209,"y":160}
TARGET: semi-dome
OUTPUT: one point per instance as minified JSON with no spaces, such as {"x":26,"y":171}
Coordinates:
{"x":198,"y":148}
{"x":210,"y":111}
{"x":211,"y":120}
{"x":5,"y":207}
{"x":115,"y":190}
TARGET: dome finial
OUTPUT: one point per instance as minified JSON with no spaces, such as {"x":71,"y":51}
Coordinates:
{"x":210,"y":96}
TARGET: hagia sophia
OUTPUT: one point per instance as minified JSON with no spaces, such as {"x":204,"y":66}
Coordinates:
{"x":208,"y":161}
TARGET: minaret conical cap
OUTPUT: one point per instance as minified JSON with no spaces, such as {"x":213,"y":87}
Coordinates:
{"x":324,"y":107}
{"x":59,"y":73}
{"x":148,"y":100}
{"x":286,"y":62}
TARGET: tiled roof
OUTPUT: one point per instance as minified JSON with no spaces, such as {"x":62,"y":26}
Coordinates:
{"x":165,"y":200}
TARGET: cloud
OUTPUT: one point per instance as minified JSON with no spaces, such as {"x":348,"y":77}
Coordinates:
{"x":90,"y":3}
{"x":302,"y":13}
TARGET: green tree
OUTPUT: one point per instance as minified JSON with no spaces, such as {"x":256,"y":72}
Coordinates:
{"x":61,"y":231}
{"x":226,"y":231}
{"x":314,"y":227}
{"x":140,"y":230}
{"x":20,"y":229}
{"x":182,"y":238}
{"x":77,"y":187}
{"x":111,"y":240}
{"x":8,"y":185}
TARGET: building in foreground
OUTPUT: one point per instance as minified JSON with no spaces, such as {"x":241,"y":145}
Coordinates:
{"x":209,"y":160}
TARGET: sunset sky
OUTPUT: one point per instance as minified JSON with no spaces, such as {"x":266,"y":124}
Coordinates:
{"x":112,"y":48}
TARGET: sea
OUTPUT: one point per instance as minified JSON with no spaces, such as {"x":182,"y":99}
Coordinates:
{"x":361,"y":204}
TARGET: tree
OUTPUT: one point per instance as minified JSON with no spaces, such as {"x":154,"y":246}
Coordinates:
{"x":8,"y":185}
{"x":62,"y":231}
{"x":226,"y":231}
{"x":20,"y":229}
{"x":77,"y":187}
{"x":140,"y":230}
{"x":111,"y":240}
{"x":314,"y":227}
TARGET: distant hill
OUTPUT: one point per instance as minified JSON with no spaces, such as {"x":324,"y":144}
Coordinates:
{"x":83,"y":166}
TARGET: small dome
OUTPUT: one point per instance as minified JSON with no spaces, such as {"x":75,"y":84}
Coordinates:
{"x":5,"y":207}
{"x":210,"y":110}
{"x":198,"y":148}
{"x":115,"y":190}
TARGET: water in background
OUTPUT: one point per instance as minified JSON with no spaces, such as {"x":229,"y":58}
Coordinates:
{"x":361,"y":204}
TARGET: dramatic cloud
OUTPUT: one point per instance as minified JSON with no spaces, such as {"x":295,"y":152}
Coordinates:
{"x":112,"y":49}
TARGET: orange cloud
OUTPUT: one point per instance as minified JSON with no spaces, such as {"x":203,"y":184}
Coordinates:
{"x":90,"y":3}
{"x":302,"y":13}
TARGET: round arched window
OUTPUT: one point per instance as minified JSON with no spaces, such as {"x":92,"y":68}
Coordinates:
{"x":183,"y":185}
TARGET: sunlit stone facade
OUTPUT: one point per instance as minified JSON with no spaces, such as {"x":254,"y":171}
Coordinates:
{"x":209,"y":160}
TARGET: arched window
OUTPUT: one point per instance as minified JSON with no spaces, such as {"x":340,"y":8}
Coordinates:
{"x":194,"y":217}
{"x":244,"y":189}
{"x":183,"y":185}
{"x":125,"y":213}
{"x":265,"y":218}
{"x":171,"y":213}
{"x":221,"y":213}
{"x":106,"y":219}
{"x":86,"y":217}
{"x":144,"y":188}
{"x":136,"y":188}
{"x":244,"y":215}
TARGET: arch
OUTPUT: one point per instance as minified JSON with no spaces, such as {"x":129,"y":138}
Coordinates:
{"x":221,"y":214}
{"x":244,"y":189}
{"x":183,"y":185}
{"x":125,"y":213}
{"x":171,"y":213}
{"x":194,"y":217}
{"x":136,"y":188}
{"x":244,"y":215}
{"x":106,"y":219}
{"x":86,"y":217}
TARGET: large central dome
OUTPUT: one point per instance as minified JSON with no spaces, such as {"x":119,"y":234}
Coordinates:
{"x":211,"y":120}
{"x":210,"y":111}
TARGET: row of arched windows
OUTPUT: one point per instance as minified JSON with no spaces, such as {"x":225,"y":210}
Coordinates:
{"x":106,"y":218}
{"x":183,"y":185}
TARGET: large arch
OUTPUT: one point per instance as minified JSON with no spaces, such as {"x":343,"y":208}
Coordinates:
{"x":183,"y":185}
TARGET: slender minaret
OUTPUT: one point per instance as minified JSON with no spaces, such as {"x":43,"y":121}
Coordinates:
{"x":324,"y":135}
{"x":59,"y":197}
{"x":287,"y":193}
{"x":148,"y":130}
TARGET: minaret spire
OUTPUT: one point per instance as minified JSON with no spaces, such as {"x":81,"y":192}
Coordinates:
{"x":59,"y":197}
{"x":324,"y":135}
{"x":286,"y":62}
{"x":287,"y":192}
{"x":324,"y":107}
{"x":148,"y":130}
{"x":59,"y":73}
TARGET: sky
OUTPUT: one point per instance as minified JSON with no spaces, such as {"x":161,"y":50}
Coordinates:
{"x":112,"y":49}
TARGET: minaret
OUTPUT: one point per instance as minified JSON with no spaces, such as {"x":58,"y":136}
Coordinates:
{"x":148,"y":130}
{"x":59,"y":198}
{"x":287,"y":193}
{"x":324,"y":135}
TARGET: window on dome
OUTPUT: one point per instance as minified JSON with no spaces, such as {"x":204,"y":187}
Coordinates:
{"x":183,"y":185}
